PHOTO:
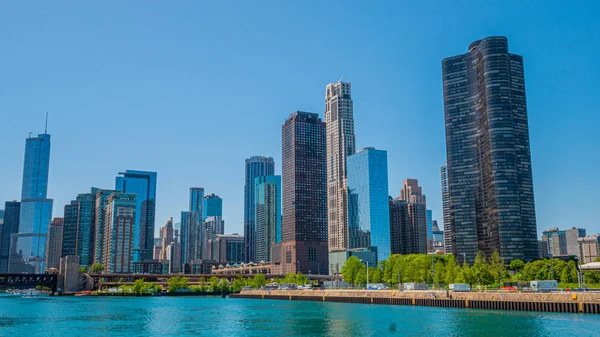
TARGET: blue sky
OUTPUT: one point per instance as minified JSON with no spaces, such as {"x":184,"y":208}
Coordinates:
{"x":191,"y":88}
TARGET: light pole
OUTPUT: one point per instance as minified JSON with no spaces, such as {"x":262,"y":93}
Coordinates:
{"x":579,"y":273}
{"x":297,"y":267}
{"x":464,"y":257}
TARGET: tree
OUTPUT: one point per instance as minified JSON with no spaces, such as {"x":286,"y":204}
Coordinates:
{"x":82,"y":270}
{"x":452,"y":269}
{"x":497,"y":268}
{"x":439,"y":273}
{"x":467,"y":274}
{"x":569,"y":273}
{"x":237,"y":285}
{"x":177,"y":283}
{"x":301,"y":279}
{"x":351,"y":268}
{"x":214,"y":283}
{"x":96,"y":268}
{"x":481,"y":271}
{"x":139,"y":287}
{"x":517,"y":265}
{"x":597,"y":259}
{"x":259,"y":280}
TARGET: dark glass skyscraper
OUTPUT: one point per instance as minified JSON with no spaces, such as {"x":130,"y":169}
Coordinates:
{"x":257,"y":166}
{"x":489,"y":162}
{"x":143,"y":185}
{"x":304,"y":204}
{"x":12,"y":209}
{"x":213,"y":205}
{"x":36,"y":209}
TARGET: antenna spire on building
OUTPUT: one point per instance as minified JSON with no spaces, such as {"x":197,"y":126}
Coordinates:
{"x":46,"y":127}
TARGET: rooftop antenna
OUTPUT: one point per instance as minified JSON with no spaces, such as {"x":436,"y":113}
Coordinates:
{"x":46,"y":128}
{"x":341,"y":78}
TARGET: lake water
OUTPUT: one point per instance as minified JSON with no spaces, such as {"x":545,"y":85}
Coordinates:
{"x":209,"y":316}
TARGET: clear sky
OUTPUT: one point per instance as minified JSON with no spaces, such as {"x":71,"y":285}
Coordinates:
{"x":191,"y":88}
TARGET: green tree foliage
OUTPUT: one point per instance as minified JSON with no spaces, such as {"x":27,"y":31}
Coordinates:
{"x":82,"y":270}
{"x":96,"y":268}
{"x":439,"y":276}
{"x":177,"y":283}
{"x":452,"y":269}
{"x":237,"y":285}
{"x":351,"y":268}
{"x":517,"y":265}
{"x":139,"y":287}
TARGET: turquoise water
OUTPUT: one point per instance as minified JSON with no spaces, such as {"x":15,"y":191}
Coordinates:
{"x":209,"y":316}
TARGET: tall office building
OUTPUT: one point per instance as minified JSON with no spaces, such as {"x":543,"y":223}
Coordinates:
{"x":86,"y":215}
{"x":69,"y":244}
{"x":36,"y":209}
{"x":401,"y":228}
{"x":54,"y":244}
{"x":268,"y":215}
{"x":99,"y":214}
{"x":143,"y":184}
{"x":257,"y":166}
{"x":303,"y":244}
{"x":562,"y":242}
{"x":448,"y":238}
{"x":192,"y":227}
{"x":368,"y":209}
{"x":412,"y":194}
{"x":12,"y":210}
{"x":119,"y":233}
{"x":228,"y":249}
{"x":429,"y":220}
{"x":339,"y":118}
{"x":212,"y":205}
{"x":213,"y":225}
{"x":488,"y":155}
{"x":167,"y":237}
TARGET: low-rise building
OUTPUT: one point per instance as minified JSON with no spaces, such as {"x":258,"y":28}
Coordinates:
{"x":589,"y":248}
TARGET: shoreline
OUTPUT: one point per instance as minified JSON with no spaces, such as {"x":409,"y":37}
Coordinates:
{"x":572,"y":302}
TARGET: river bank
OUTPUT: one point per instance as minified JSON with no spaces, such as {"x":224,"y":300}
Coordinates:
{"x":574,"y":302}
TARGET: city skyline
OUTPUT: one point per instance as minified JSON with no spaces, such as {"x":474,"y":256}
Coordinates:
{"x":550,"y":168}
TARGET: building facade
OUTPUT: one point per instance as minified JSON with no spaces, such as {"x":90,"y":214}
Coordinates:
{"x":412,"y":194}
{"x":36,"y":209}
{"x":213,"y":206}
{"x":448,"y":238}
{"x":267,"y":215}
{"x":589,"y":248}
{"x":257,"y":166}
{"x":228,"y":249}
{"x":303,"y":244}
{"x":213,"y":225}
{"x":339,"y":119}
{"x":562,"y":242}
{"x":488,"y":155}
{"x":143,"y":184}
{"x":119,"y":233}
{"x":10,"y":226}
{"x":54,"y":244}
{"x":368,"y":209}
{"x":192,"y":227}
{"x":99,"y":215}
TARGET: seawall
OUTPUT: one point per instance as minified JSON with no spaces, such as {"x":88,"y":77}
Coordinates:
{"x":575,"y":302}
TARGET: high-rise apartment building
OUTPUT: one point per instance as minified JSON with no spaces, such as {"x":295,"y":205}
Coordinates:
{"x":12,"y":210}
{"x":213,"y":225}
{"x":368,"y":209}
{"x":36,"y":209}
{"x":446,"y":211}
{"x":416,"y":203}
{"x":488,"y":155}
{"x":167,"y":237}
{"x":257,"y":166}
{"x":303,"y":244}
{"x":562,"y":242}
{"x":339,"y":119}
{"x":54,"y":244}
{"x":213,"y":206}
{"x":267,"y":215}
{"x":429,"y":217}
{"x":119,"y":233}
{"x":192,"y":227}
{"x":143,"y":185}
{"x":69,"y":244}
{"x":99,"y":214}
{"x":86,"y":215}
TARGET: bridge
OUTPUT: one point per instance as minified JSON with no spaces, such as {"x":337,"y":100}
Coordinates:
{"x":26,"y":281}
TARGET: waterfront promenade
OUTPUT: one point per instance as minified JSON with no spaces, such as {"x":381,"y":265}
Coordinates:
{"x":575,"y":302}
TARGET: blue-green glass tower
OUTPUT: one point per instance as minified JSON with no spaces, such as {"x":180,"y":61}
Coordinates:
{"x":213,"y":206}
{"x":368,"y":205}
{"x":267,"y":201}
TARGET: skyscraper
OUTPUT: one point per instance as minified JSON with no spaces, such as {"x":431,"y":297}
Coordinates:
{"x":401,"y":228}
{"x":411,"y":193}
{"x":69,"y":242}
{"x":488,"y":155}
{"x":562,"y":243}
{"x":268,"y":215}
{"x":213,"y":205}
{"x":446,"y":211}
{"x":86,"y":215}
{"x":12,"y":210}
{"x":36,"y":209}
{"x":143,"y":184}
{"x":166,"y":237}
{"x":54,"y":244}
{"x":429,"y":220}
{"x":192,"y":227}
{"x":197,"y":201}
{"x":303,"y":244}
{"x":119,"y":223}
{"x":339,"y":118}
{"x":368,"y":209}
{"x":99,"y":214}
{"x":213,"y":225}
{"x":257,"y":166}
